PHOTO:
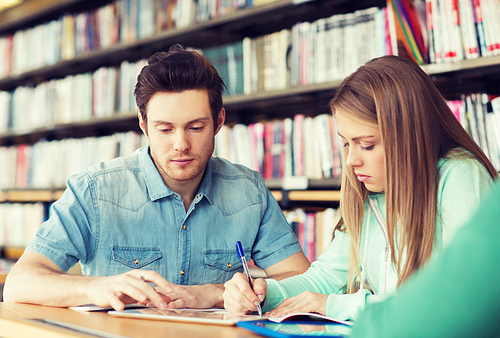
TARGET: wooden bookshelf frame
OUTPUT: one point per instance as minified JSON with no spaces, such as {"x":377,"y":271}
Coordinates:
{"x":30,"y":195}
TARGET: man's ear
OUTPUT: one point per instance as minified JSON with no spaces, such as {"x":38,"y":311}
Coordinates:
{"x":221,"y":118}
{"x":142,"y":124}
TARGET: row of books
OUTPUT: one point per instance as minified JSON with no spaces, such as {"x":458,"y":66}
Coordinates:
{"x":308,"y":53}
{"x":47,"y":164}
{"x":462,"y":29}
{"x":311,"y":52}
{"x":120,"y":21}
{"x":299,"y":146}
{"x":479,"y":114}
{"x":19,"y":222}
{"x":314,"y":229}
{"x":75,"y":98}
{"x":303,"y":146}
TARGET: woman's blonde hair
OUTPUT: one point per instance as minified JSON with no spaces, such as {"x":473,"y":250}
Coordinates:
{"x":417,"y":128}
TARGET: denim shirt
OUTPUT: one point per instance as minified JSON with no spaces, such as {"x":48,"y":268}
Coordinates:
{"x":120,"y":215}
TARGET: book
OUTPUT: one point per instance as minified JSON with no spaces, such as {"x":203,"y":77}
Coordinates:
{"x":306,"y":316}
{"x":469,"y":35}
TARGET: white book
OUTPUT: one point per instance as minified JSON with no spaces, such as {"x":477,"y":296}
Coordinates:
{"x":287,"y":145}
{"x":493,"y":140}
{"x":322,"y":128}
{"x":146,"y":18}
{"x":242,"y":145}
{"x":469,"y":35}
{"x":308,"y":147}
{"x":294,"y":56}
{"x":222,"y":142}
{"x":445,"y":11}
{"x":304,"y":52}
{"x":256,"y":131}
{"x":488,"y":26}
{"x":337,"y":38}
{"x":464,"y":121}
{"x":471,"y":113}
{"x":247,"y":66}
{"x":298,"y":145}
{"x":330,"y":219}
{"x":110,"y":91}
{"x":437,"y":22}
{"x":283,"y":75}
{"x":125,"y":88}
{"x":456,"y":33}
{"x":350,"y":46}
{"x":481,"y":102}
{"x":495,"y":119}
{"x":320,"y":46}
{"x":4,"y":111}
{"x":494,"y":20}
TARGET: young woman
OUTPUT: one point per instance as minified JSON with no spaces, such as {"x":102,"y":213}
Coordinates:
{"x":412,"y":176}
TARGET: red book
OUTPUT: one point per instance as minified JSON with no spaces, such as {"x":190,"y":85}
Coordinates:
{"x":268,"y":145}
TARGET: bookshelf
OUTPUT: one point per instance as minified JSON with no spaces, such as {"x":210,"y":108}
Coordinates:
{"x":452,"y":78}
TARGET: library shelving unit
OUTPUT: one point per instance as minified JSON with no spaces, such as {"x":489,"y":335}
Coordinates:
{"x":451,"y":78}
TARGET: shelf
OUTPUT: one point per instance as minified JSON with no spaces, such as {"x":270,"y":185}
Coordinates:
{"x":248,"y":22}
{"x":3,"y":277}
{"x":308,"y":195}
{"x":32,"y":11}
{"x":481,"y":64}
{"x":318,"y":190}
{"x":276,"y":104}
{"x":13,"y":253}
{"x":247,"y":109}
{"x":33,"y":195}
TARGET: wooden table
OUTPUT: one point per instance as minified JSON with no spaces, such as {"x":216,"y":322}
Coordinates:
{"x":13,"y":323}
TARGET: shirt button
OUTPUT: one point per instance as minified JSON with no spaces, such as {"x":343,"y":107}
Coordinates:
{"x":136,"y":261}
{"x":184,"y":227}
{"x":229,"y":265}
{"x":182,"y":272}
{"x":198,"y":196}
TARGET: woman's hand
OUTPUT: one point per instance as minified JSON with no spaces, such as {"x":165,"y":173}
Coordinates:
{"x":239,"y":298}
{"x":305,"y":302}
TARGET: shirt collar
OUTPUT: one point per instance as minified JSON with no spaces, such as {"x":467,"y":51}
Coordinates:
{"x":206,"y":183}
{"x":154,"y":182}
{"x":156,"y":186}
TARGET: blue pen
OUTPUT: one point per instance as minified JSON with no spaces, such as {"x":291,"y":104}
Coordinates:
{"x":241,"y":257}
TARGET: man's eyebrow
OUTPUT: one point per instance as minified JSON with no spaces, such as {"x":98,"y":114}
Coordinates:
{"x":357,"y":138}
{"x":201,"y":119}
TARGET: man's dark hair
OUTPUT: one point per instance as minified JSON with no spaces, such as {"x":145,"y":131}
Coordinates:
{"x":175,"y":71}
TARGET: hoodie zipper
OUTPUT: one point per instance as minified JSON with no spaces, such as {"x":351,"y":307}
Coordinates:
{"x":378,"y":216}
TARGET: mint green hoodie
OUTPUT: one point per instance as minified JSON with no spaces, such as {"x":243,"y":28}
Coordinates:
{"x":462,"y":183}
{"x":457,"y":295}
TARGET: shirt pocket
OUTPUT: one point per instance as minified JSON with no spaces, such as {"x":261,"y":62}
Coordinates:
{"x":125,"y":258}
{"x":221,"y":265}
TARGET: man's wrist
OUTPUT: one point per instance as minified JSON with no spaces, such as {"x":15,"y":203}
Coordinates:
{"x":217,"y":291}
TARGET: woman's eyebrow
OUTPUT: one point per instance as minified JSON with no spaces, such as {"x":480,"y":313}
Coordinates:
{"x":357,"y":138}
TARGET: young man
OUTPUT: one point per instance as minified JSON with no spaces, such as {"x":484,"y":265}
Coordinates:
{"x":169,"y":214}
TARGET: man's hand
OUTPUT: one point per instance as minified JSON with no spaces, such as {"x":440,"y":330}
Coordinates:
{"x":54,"y":287}
{"x":130,"y":287}
{"x":192,"y":296}
{"x":239,"y":298}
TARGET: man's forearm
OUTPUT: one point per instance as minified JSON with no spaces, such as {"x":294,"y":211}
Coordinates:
{"x":45,"y":287}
